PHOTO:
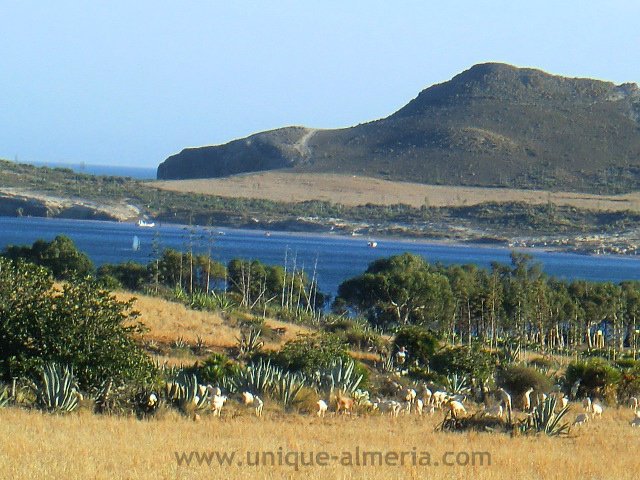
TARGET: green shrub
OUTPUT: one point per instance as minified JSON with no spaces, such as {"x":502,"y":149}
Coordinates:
{"x":419,"y":342}
{"x":82,"y":326}
{"x":473,"y":362}
{"x":596,"y":376}
{"x":311,"y":353}
{"x":216,"y":369}
{"x":358,"y":335}
{"x":517,"y":380}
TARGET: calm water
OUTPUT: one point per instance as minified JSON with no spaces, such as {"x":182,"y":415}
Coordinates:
{"x":338,"y":258}
{"x":141,"y":173}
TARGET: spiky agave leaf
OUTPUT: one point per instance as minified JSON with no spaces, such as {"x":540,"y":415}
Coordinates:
{"x":4,"y":396}
{"x":258,"y":377}
{"x":458,"y":384}
{"x":544,"y":419}
{"x":288,"y":387}
{"x":57,"y":390}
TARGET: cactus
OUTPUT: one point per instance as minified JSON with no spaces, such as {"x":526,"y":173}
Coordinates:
{"x":58,"y":390}
{"x":387,"y":365}
{"x":187,"y":393}
{"x":4,"y":396}
{"x":288,"y":387}
{"x":543,"y":419}
{"x":512,"y":352}
{"x":340,"y":376}
{"x":457,"y":384}
{"x":258,"y":377}
{"x":249,"y":342}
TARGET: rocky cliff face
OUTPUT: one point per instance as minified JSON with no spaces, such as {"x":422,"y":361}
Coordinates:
{"x":492,"y":125}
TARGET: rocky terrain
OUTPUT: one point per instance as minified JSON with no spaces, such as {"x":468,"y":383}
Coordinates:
{"x":492,"y":125}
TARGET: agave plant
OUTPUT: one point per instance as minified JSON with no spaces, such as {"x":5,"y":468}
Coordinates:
{"x":457,"y":384}
{"x":58,"y":389}
{"x":187,"y":393}
{"x":545,"y":420}
{"x":386,"y":364}
{"x":180,"y":343}
{"x":4,"y":396}
{"x":200,"y":347}
{"x":222,"y":302}
{"x":340,"y":376}
{"x":259,"y":377}
{"x":511,"y":352}
{"x":287,"y":388}
{"x":249,"y":342}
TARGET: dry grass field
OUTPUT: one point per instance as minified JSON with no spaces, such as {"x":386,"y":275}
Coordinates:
{"x":354,"y":190}
{"x":83,"y":445}
{"x":87,"y":446}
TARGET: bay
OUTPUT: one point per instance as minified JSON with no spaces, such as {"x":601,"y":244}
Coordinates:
{"x":337,"y":257}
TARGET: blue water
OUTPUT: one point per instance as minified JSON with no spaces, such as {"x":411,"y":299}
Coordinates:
{"x":338,"y":258}
{"x":140,"y":173}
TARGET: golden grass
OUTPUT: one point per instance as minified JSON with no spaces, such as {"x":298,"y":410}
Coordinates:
{"x":167,"y":321}
{"x":83,"y":445}
{"x":355,"y":190}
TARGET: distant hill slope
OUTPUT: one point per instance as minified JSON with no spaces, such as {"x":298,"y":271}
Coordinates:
{"x":492,"y":125}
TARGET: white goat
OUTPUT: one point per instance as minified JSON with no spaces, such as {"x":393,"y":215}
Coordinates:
{"x":439,"y":398}
{"x":596,"y":410}
{"x":322,"y":408}
{"x":586,"y":404}
{"x":505,"y":398}
{"x":247,"y":398}
{"x":426,"y":395}
{"x":419,"y":406}
{"x":456,"y":408}
{"x":388,"y":406}
{"x":633,"y":403}
{"x":218,"y":402}
{"x":258,"y":404}
{"x":527,"y":399}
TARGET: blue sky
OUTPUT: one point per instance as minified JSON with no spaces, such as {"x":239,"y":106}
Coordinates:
{"x":132,"y":82}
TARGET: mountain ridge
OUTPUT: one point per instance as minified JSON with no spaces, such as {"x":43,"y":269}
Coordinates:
{"x":491,"y":125}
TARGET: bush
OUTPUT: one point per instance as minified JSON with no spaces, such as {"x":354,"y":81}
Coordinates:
{"x":473,"y":362}
{"x":215,"y":369}
{"x":355,"y":334}
{"x":82,"y":326}
{"x":629,"y":385}
{"x":419,"y":342}
{"x":311,"y":353}
{"x":60,"y":256}
{"x":597,"y":377}
{"x":517,"y":380}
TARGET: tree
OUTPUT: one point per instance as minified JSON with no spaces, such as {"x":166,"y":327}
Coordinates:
{"x":82,"y":326}
{"x":61,"y":256}
{"x":400,"y":289}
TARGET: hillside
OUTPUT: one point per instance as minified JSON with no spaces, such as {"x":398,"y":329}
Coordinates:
{"x":492,"y":125}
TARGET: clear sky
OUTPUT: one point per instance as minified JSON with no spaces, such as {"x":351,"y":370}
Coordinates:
{"x":132,"y":82}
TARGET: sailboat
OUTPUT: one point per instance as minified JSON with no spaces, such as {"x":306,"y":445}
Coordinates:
{"x":136,"y":243}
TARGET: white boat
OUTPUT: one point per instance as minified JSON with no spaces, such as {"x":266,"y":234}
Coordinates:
{"x":144,"y":223}
{"x":136,"y":243}
{"x":372,"y":244}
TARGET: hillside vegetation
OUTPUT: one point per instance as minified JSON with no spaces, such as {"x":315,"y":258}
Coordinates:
{"x":492,"y":125}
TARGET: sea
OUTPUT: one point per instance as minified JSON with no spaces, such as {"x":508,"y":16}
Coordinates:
{"x":334,"y":258}
{"x":140,"y":173}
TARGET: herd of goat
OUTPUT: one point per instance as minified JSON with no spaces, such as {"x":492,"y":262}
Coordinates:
{"x":422,"y":401}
